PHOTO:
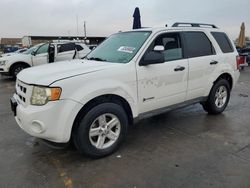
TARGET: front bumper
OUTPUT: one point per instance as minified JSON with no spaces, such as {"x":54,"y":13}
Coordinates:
{"x":4,"y":70}
{"x":52,"y":121}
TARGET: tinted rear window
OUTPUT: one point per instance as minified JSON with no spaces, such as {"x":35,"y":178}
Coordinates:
{"x":198,"y":44}
{"x":223,"y":41}
{"x":66,"y":47}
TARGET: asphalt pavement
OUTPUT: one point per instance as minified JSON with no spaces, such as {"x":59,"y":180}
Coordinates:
{"x":183,"y":148}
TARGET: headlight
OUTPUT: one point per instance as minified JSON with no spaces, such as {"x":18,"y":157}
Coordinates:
{"x":2,"y":63}
{"x":41,"y":95}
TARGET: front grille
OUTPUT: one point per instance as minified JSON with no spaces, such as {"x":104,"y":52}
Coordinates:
{"x":22,"y":88}
{"x":21,"y":91}
{"x":22,"y":98}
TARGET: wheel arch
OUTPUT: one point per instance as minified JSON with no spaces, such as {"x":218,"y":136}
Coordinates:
{"x":18,"y":63}
{"x":99,"y":100}
{"x":226,"y":76}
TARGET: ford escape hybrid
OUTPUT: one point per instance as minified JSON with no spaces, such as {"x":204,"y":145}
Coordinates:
{"x":130,"y":76}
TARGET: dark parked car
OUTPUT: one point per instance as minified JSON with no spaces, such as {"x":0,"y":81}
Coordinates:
{"x":9,"y":49}
{"x":246,"y":51}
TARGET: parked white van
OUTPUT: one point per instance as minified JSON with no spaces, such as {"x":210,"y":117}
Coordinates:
{"x":41,"y":54}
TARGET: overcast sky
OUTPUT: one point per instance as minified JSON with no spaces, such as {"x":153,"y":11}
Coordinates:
{"x":104,"y":17}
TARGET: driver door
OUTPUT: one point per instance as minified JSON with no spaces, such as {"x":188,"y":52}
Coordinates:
{"x":164,"y":84}
{"x":41,"y":55}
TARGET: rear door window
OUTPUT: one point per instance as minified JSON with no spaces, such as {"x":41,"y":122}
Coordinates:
{"x":223,"y":41}
{"x":65,"y":47}
{"x":198,"y":44}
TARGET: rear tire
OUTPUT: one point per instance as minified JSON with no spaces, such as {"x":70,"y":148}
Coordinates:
{"x":218,"y":98}
{"x":101,"y":130}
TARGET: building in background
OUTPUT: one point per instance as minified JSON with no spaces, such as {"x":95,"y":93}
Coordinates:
{"x":10,"y":44}
{"x":11,"y":41}
{"x":28,"y":41}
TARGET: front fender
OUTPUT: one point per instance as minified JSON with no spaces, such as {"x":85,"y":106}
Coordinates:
{"x":19,"y":59}
{"x":8,"y":65}
{"x":104,"y":87}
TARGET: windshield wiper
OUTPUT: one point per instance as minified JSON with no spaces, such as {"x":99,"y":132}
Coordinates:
{"x":96,"y":59}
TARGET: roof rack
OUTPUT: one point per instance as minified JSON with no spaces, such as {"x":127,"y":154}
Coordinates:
{"x":180,"y":24}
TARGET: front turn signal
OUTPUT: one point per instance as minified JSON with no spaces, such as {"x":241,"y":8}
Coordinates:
{"x":55,"y":93}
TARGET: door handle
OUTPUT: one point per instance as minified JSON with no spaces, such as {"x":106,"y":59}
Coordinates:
{"x":179,"y":68}
{"x":213,"y":62}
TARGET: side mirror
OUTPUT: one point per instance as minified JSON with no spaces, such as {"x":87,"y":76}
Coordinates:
{"x":159,"y":48}
{"x":152,"y":57}
{"x":33,"y":53}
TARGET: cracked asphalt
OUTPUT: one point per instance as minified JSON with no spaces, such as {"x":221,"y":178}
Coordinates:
{"x":183,"y":148}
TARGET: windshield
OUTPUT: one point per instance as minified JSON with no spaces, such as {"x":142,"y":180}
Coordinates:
{"x":32,"y":49}
{"x":120,"y":47}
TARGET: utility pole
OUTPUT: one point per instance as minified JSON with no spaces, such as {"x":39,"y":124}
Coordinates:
{"x":77,"y":26}
{"x":85,"y":31}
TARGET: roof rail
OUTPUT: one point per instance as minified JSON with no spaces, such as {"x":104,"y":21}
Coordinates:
{"x":177,"y":24}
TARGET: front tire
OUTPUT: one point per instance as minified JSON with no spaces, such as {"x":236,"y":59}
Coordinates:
{"x":101,"y":130}
{"x":16,"y":69}
{"x":218,"y":98}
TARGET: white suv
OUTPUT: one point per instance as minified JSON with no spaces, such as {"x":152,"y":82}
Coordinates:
{"x":42,"y":54}
{"x":130,"y":76}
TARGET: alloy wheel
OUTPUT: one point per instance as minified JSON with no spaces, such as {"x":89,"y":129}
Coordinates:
{"x":104,"y":131}
{"x":221,"y":96}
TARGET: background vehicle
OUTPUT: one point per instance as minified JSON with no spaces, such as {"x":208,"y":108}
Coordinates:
{"x":131,"y":75}
{"x":42,"y":54}
{"x":244,"y":57}
{"x":246,"y":51}
{"x":92,"y":46}
{"x":9,"y":49}
{"x":15,"y":52}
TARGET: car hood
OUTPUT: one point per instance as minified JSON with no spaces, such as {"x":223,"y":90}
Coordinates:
{"x":15,"y":57}
{"x":47,"y":74}
{"x":8,"y":54}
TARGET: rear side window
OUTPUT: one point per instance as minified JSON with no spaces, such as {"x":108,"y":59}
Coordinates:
{"x":198,"y":44}
{"x":223,"y":41}
{"x":66,"y":47}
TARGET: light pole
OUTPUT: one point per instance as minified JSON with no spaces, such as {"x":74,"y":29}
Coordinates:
{"x":85,"y":31}
{"x":77,"y":27}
